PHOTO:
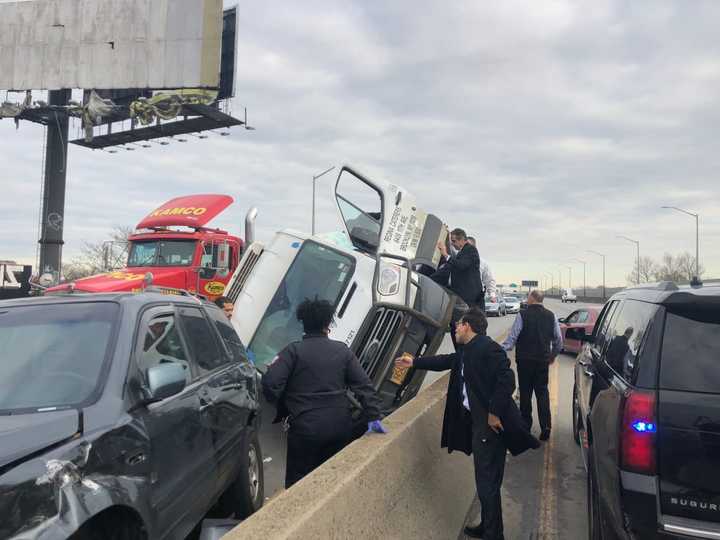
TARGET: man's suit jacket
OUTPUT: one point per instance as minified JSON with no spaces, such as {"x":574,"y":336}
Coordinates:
{"x":462,"y":273}
{"x":485,"y":368}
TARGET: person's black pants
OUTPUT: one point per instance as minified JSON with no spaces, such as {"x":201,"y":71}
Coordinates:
{"x":489,"y":459}
{"x":313,"y":439}
{"x":533,"y":378}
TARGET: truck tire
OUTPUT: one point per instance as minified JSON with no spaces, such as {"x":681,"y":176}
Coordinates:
{"x":247,"y":492}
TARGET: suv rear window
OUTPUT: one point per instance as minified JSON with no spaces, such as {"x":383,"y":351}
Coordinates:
{"x":691,"y":351}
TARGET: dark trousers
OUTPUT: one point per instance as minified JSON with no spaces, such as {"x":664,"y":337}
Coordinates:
{"x":314,"y":439}
{"x":533,"y":378}
{"x":489,"y":459}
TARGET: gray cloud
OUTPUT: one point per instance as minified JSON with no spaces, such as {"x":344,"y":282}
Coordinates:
{"x":545,"y":128}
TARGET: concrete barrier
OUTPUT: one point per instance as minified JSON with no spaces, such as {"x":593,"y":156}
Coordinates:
{"x":399,"y":485}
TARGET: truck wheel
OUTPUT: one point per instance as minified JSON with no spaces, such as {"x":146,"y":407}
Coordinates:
{"x":247,"y":492}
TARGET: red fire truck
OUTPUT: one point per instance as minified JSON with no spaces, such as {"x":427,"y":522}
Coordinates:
{"x":173,"y":244}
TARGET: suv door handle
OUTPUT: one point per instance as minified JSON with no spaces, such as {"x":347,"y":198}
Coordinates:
{"x":588,"y":372}
{"x":205,"y":404}
{"x":583,"y":362}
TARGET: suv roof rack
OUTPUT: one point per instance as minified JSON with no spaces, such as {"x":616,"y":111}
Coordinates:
{"x":660,"y":286}
{"x":170,"y":291}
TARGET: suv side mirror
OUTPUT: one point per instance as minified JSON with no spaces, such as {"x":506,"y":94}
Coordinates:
{"x":165,"y":380}
{"x":578,"y":334}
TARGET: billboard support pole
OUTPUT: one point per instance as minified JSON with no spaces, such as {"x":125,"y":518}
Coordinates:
{"x":53,"y":202}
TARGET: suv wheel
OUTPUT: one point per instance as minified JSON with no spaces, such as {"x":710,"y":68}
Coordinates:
{"x":576,"y":416}
{"x":593,"y":505}
{"x":247,"y":492}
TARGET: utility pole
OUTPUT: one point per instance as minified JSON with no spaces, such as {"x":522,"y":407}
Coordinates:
{"x":696,"y":280}
{"x":569,"y":276}
{"x":637,"y":245}
{"x":584,"y":276}
{"x":603,"y":260}
{"x":314,"y":178}
{"x":53,"y":202}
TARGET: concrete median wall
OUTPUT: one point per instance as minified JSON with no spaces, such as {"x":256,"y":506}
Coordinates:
{"x":398,"y":485}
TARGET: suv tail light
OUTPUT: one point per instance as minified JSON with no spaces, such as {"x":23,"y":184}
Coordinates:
{"x":638,"y":432}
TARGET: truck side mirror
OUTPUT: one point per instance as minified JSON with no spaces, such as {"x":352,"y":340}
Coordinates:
{"x":223,"y":257}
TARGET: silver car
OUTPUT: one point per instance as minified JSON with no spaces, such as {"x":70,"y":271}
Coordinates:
{"x":512,"y":304}
{"x":496,"y":308}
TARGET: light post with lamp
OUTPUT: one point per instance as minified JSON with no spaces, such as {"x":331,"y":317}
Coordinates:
{"x":696,"y":280}
{"x":314,"y":178}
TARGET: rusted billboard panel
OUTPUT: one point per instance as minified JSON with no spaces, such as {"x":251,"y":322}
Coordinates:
{"x":108,"y":44}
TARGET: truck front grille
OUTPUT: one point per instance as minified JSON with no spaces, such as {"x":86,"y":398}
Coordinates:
{"x":249,"y":260}
{"x":378,"y":338}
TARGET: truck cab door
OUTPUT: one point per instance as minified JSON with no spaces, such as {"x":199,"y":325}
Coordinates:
{"x":214,"y":268}
{"x":383,"y":219}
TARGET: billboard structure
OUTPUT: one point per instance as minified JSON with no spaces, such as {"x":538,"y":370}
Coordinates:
{"x":148,"y":69}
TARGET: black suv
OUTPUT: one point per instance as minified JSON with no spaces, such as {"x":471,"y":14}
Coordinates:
{"x":123,"y":417}
{"x":646,"y":409}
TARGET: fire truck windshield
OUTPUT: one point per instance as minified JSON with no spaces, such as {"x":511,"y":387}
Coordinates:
{"x":162,"y":253}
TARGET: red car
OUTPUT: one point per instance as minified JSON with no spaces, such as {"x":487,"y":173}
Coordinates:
{"x":580,"y":318}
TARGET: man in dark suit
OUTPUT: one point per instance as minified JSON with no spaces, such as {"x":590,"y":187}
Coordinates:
{"x":481,"y":417}
{"x":460,"y":272}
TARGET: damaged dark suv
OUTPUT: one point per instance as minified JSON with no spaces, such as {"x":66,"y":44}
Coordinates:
{"x":123,"y":417}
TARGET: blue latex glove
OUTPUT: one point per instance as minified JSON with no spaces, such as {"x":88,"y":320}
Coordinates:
{"x":376,"y":427}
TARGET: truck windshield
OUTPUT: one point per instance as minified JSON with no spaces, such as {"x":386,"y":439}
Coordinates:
{"x":162,"y":253}
{"x":317,"y":272}
{"x":53,"y":354}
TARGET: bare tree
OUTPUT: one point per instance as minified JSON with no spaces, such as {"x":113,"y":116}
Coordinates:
{"x":686,"y":265}
{"x":669,"y":269}
{"x":648,"y":269}
{"x":100,"y":257}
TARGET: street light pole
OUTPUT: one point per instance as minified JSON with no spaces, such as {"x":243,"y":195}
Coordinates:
{"x":569,"y":276}
{"x":603,"y":259}
{"x":552,"y":280}
{"x":584,"y":276}
{"x":314,"y":178}
{"x":559,"y":280}
{"x":637,"y":244}
{"x":696,"y":279}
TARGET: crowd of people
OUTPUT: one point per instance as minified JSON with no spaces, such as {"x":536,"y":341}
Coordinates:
{"x":308,"y":382}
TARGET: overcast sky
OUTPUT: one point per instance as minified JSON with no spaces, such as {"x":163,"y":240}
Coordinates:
{"x":542,"y":128}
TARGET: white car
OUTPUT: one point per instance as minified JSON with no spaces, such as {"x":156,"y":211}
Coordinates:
{"x":495,"y":307}
{"x":512,"y":304}
{"x":568,"y":296}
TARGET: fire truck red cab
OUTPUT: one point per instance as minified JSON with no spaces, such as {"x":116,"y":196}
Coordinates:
{"x":174,"y":245}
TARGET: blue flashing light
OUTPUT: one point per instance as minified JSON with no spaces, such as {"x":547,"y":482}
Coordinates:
{"x":295,"y":245}
{"x":644,"y":427}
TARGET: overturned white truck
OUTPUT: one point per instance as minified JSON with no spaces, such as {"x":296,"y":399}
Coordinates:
{"x":374,"y":273}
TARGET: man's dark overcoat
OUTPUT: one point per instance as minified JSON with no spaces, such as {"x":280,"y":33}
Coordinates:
{"x":485,"y":368}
